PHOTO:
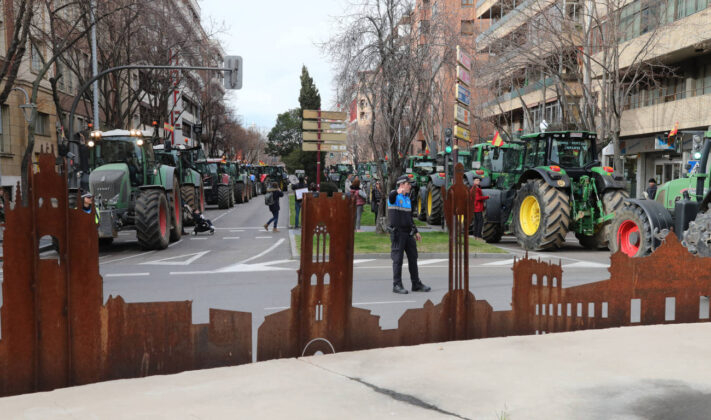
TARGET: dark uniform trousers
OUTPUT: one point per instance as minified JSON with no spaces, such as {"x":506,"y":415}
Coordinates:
{"x":403,"y":243}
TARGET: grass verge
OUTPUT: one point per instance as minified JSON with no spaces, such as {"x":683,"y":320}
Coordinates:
{"x":367,"y":219}
{"x":432,"y":242}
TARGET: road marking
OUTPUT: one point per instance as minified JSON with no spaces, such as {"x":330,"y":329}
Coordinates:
{"x":503,"y":262}
{"x":221,"y":216}
{"x":277,"y":262}
{"x":276,"y":308}
{"x":385,"y":303}
{"x":127,"y":258}
{"x":236,"y":230}
{"x":198,"y":239}
{"x":235,"y":268}
{"x":231,"y":237}
{"x":265,"y":252}
{"x":181,"y":259}
{"x":263,"y":237}
{"x":362,"y":261}
{"x":586,"y":265}
{"x":175,"y":243}
{"x":126,"y":275}
{"x":428,"y":262}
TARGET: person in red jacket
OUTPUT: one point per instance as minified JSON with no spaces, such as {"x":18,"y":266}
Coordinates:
{"x":479,"y":199}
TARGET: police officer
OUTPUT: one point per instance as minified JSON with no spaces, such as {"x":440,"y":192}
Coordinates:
{"x":403,"y":235}
{"x":87,"y":201}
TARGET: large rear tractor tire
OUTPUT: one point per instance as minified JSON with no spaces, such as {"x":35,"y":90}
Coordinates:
{"x":541,"y":216}
{"x":188,"y":192}
{"x":223,"y":196}
{"x":176,"y":219}
{"x":631,"y":232}
{"x":240,"y":193}
{"x":434,"y":205}
{"x":153,"y":220}
{"x":612,"y":201}
{"x":492,"y":232}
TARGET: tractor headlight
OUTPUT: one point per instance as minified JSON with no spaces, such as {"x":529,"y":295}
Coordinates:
{"x":91,"y":143}
{"x":114,"y":200}
{"x":697,"y":155}
{"x":139,"y":142}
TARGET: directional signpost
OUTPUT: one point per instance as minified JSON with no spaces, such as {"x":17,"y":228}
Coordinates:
{"x":462,"y":116}
{"x":323,"y":131}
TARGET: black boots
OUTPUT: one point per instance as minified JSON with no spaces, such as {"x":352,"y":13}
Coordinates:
{"x":416,"y":287}
{"x":420,"y":287}
{"x":397,"y":288}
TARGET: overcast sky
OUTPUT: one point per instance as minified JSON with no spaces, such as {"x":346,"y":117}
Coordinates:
{"x":275,"y":38}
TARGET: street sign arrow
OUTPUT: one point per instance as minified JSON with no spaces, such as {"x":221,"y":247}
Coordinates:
{"x":325,"y":147}
{"x":310,"y":114}
{"x":314,"y":125}
{"x":313,"y":136}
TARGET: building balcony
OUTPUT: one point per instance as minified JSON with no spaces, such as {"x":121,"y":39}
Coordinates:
{"x":509,"y":101}
{"x":689,"y":112}
{"x":511,"y":21}
{"x":483,"y":6}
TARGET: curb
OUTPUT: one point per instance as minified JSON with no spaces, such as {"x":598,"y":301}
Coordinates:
{"x":292,"y":240}
{"x":436,"y":255}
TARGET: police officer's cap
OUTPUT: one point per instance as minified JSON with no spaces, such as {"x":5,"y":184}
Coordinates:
{"x":403,"y":179}
{"x":87,"y":195}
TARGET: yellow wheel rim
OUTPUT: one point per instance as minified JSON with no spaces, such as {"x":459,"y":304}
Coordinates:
{"x":530,"y":215}
{"x":429,"y":202}
{"x":419,"y":204}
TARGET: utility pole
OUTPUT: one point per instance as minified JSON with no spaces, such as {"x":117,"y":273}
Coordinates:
{"x":94,"y":63}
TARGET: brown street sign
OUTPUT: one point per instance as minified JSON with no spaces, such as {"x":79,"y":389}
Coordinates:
{"x":325,"y":147}
{"x":313,"y":136}
{"x":314,"y":125}
{"x":310,"y":114}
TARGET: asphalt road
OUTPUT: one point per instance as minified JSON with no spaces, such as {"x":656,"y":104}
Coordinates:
{"x":243,"y":267}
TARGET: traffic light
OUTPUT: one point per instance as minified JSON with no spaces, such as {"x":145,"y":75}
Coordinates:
{"x":233,"y":75}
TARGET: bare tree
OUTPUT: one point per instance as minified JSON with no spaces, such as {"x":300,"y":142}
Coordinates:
{"x":378,"y":51}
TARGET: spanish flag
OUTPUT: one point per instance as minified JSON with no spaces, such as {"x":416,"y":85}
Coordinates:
{"x":497,"y":141}
{"x":674,"y":130}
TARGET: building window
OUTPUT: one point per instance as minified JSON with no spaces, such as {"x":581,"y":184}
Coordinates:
{"x":467,"y":27}
{"x":5,"y":141}
{"x":36,"y":64}
{"x":42,"y":124}
{"x":467,"y":3}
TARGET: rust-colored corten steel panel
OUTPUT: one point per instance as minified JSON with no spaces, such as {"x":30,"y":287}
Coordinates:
{"x":55,"y":331}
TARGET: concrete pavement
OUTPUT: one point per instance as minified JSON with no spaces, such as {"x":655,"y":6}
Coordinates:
{"x":658,"y":372}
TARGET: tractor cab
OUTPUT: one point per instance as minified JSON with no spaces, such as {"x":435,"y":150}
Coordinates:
{"x":571,"y":153}
{"x":121,"y":151}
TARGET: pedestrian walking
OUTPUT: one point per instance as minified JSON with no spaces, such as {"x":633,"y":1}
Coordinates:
{"x":479,"y":199}
{"x":376,"y":197}
{"x":652,"y":189}
{"x":360,"y":200}
{"x":271,"y":199}
{"x":403,"y":237}
{"x":298,"y":189}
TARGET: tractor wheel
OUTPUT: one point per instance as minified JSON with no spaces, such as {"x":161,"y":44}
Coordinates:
{"x":611,"y":202}
{"x":422,"y":205}
{"x":491,"y":232}
{"x":541,"y":216}
{"x":434,"y":205}
{"x":232,"y":197}
{"x":240,"y":194}
{"x":188,"y":192}
{"x":223,"y":196}
{"x":413,"y":201}
{"x":153,"y":220}
{"x":176,"y":224}
{"x":697,"y":238}
{"x":631,"y":232}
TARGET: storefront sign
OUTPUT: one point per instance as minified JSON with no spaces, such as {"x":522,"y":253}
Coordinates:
{"x":463,"y":58}
{"x":463,"y":95}
{"x":461,"y":114}
{"x":462,"y":133}
{"x":463,"y":75}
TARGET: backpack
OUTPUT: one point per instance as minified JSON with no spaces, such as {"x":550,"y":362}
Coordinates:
{"x":269,"y":199}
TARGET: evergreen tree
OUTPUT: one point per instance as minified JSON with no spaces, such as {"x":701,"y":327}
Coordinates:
{"x":309,"y":98}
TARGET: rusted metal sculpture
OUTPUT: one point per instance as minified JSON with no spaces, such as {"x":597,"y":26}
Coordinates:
{"x":55,"y":331}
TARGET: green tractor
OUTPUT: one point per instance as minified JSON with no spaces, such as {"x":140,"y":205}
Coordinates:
{"x":419,"y":169}
{"x":243,"y":191}
{"x":561,"y":188}
{"x":682,"y":204}
{"x":133,"y":190}
{"x":339,"y":174}
{"x":191,"y":188}
{"x":432,"y":200}
{"x":219,"y":185}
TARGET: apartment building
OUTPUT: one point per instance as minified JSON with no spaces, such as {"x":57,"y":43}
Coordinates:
{"x":675,"y":35}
